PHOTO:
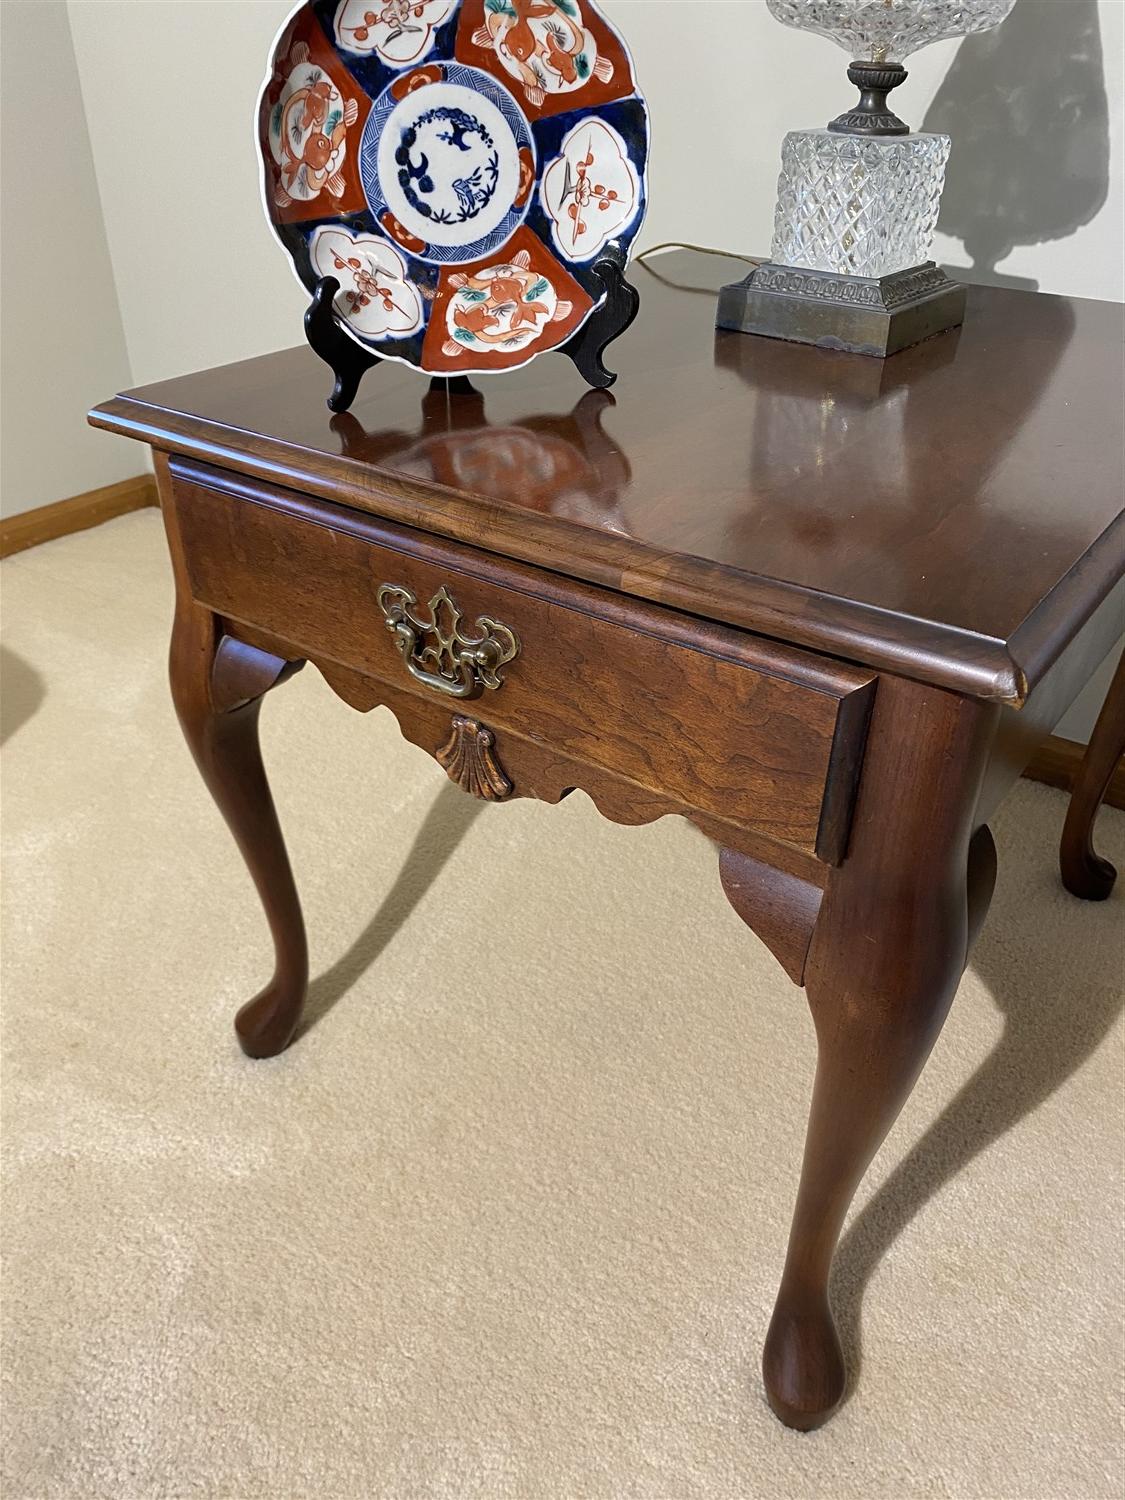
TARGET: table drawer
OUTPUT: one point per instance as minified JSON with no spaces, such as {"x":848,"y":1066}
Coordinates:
{"x":728,"y":723}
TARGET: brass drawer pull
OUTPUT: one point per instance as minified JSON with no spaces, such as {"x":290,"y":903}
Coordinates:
{"x":438,"y":652}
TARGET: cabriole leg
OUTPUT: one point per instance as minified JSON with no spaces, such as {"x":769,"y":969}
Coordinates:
{"x":1084,"y":872}
{"x":887,"y":953}
{"x":217,"y":687}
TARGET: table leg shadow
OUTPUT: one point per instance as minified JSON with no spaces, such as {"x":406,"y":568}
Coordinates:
{"x":449,"y":819}
{"x":22,"y":692}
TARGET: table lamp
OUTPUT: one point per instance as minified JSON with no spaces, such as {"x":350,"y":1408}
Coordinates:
{"x":857,"y":202}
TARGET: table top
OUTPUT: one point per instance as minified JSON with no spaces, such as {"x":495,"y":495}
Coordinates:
{"x":953,"y":513}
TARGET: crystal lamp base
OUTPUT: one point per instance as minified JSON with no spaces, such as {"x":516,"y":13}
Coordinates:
{"x":876,"y":315}
{"x":855,"y":205}
{"x":851,"y":264}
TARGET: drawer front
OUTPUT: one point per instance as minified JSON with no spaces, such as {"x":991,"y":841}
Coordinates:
{"x":726,"y":723}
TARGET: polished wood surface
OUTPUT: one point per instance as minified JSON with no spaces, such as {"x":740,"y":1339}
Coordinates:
{"x":887,"y":952}
{"x":733,"y":727}
{"x":779,"y":906}
{"x":217,"y":687}
{"x":825,"y":607}
{"x":952,"y":514}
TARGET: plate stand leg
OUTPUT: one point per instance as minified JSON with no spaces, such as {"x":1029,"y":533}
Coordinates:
{"x":608,"y":321}
{"x":348,"y":362}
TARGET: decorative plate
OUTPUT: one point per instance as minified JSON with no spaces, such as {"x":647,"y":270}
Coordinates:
{"x":458,"y":166}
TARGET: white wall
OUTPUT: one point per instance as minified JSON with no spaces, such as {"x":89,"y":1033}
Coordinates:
{"x":170,"y":91}
{"x":63,"y":340}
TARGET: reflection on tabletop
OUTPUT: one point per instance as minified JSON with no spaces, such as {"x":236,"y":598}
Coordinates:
{"x":566,"y":465}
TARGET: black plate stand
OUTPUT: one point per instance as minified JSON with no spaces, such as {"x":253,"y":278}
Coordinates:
{"x":349,"y":362}
{"x":608,"y":322}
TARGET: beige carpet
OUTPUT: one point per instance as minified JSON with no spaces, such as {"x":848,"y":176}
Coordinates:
{"x":507,"y":1221}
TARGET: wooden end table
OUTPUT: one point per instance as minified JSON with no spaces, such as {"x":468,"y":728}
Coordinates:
{"x":825,"y":607}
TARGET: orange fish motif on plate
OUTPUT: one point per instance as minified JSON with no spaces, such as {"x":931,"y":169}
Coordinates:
{"x":310,"y":128}
{"x":504,"y":307}
{"x":560,"y":53}
{"x":500,"y":313}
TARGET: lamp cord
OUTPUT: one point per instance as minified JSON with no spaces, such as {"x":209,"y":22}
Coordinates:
{"x":750,"y":260}
{"x":701,"y":249}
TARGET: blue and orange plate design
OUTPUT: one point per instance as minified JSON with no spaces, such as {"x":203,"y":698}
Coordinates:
{"x":458,"y":166}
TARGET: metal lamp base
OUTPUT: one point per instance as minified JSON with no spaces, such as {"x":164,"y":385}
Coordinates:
{"x":864,"y":315}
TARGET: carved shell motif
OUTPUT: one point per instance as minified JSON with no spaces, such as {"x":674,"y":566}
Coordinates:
{"x":469,"y":759}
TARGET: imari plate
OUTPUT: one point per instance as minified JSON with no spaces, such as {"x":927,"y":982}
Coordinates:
{"x":458,"y":166}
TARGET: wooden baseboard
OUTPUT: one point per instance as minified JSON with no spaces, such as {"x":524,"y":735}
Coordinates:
{"x":1057,"y":763}
{"x":47,"y":522}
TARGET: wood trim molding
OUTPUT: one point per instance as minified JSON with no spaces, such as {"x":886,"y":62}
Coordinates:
{"x":46,"y":522}
{"x":1057,"y":763}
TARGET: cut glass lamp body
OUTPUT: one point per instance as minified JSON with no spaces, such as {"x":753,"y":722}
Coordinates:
{"x":889,"y":30}
{"x":855,"y":206}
